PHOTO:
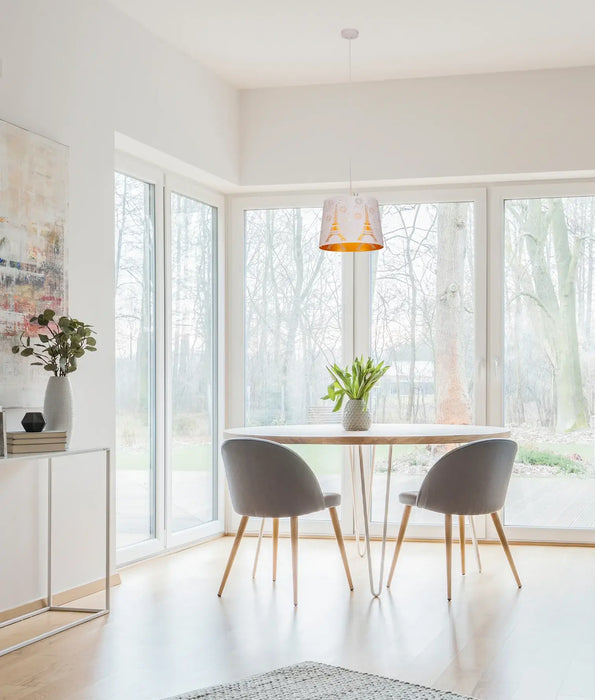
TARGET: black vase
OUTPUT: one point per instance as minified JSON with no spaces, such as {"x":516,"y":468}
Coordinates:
{"x":33,"y":422}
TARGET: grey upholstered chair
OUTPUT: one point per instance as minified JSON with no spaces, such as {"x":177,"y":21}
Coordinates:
{"x":469,"y":480}
{"x":268,"y":480}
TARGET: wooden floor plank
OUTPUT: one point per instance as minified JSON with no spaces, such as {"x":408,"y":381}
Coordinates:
{"x":169,"y":632}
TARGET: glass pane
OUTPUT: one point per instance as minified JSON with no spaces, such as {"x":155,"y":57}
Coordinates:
{"x":193,"y":376}
{"x":293,"y":327}
{"x":135,"y":346}
{"x":422,"y":324}
{"x":549,"y":365}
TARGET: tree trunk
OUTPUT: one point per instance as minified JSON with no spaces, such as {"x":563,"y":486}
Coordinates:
{"x":556,"y":304}
{"x":571,"y":403}
{"x":452,"y":399}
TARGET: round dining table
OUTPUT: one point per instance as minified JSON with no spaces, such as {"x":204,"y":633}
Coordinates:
{"x":379,"y":434}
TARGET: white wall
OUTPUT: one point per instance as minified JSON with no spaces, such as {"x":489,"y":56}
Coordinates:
{"x":507,"y":123}
{"x":77,"y":71}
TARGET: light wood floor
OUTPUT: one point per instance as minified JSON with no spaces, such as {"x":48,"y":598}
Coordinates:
{"x":168,"y":632}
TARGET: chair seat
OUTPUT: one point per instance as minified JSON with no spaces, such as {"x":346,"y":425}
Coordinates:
{"x":409,"y":498}
{"x":332,"y":500}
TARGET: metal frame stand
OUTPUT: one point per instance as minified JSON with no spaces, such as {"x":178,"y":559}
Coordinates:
{"x":365,"y":505}
{"x":92,"y":613}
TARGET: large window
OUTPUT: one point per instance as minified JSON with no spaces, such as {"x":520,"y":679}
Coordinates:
{"x":293,"y":326}
{"x":303,"y":308}
{"x":135,"y":359}
{"x":422,"y":324}
{"x":166,"y":348}
{"x":485,"y":314}
{"x":549,"y":368}
{"x":193,"y":369}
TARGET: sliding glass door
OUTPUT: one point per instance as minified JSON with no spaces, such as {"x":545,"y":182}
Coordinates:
{"x":413,"y":304}
{"x":293,"y":327}
{"x":549,"y":363}
{"x":167,"y":323}
{"x":423,"y":323}
{"x":485,"y":315}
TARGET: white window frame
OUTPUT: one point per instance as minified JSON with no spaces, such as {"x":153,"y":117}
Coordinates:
{"x":356,"y":320}
{"x":497,"y":196}
{"x":165,"y":183}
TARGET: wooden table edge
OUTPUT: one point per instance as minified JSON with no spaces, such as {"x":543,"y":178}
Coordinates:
{"x":364,"y":439}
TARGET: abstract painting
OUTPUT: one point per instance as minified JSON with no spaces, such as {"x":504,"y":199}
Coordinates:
{"x":33,"y":210}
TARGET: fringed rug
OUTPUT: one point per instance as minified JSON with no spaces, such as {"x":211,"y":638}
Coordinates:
{"x":313,"y":681}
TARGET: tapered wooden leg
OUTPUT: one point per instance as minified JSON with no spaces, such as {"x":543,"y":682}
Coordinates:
{"x":258,"y":548}
{"x":462,"y":538}
{"x":502,"y":536}
{"x":294,"y":556}
{"x":475,"y":545}
{"x":448,"y":539}
{"x":341,"y":543}
{"x":275,"y":546}
{"x":401,"y":535}
{"x":234,"y":550}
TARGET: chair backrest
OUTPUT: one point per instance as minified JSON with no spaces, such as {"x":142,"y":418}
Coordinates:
{"x":470,"y":480}
{"x":269,"y":480}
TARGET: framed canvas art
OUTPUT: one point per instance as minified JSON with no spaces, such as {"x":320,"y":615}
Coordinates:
{"x":33,"y":214}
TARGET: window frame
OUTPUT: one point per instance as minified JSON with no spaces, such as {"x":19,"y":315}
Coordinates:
{"x":497,"y":196}
{"x":356,"y":317}
{"x":166,"y":182}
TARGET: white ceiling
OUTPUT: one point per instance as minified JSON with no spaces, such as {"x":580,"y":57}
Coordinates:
{"x":258,"y":43}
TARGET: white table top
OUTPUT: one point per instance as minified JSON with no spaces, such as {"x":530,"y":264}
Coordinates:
{"x":379,"y":434}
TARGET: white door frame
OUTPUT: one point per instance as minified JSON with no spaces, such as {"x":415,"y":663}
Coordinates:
{"x":497,"y":195}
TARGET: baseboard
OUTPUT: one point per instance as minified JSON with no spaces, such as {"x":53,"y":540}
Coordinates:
{"x":432,"y":540}
{"x":61,"y":598}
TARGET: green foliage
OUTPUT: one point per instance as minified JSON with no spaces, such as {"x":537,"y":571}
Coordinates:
{"x":549,"y":459}
{"x":60,"y":345}
{"x":355,"y":382}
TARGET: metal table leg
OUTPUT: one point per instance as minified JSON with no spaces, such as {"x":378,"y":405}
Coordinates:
{"x":375,"y":593}
{"x":361,"y":549}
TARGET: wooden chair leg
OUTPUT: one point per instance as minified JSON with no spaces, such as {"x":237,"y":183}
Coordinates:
{"x":234,"y":550}
{"x":275,"y":546}
{"x":462,"y":539}
{"x":502,"y":536}
{"x":258,"y":548}
{"x":475,"y":545}
{"x":448,"y":539}
{"x":294,"y":556}
{"x":341,"y":543}
{"x":402,"y":528}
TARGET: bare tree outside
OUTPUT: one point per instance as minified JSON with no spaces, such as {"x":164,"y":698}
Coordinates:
{"x":293,"y":326}
{"x":135,"y":328}
{"x":550,"y":356}
{"x":193,"y":381}
{"x":422,"y":323}
{"x":422,"y":313}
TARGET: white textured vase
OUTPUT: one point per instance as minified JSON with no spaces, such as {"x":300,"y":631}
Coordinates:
{"x":58,"y":405}
{"x":356,"y":415}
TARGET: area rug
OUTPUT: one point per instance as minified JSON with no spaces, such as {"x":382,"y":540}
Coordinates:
{"x":313,"y":681}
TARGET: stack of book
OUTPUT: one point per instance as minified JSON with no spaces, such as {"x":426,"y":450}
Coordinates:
{"x":32,"y":443}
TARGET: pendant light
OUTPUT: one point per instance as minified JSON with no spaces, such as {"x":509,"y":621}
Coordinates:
{"x":351,"y":223}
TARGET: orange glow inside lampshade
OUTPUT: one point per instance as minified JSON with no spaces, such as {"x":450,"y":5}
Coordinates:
{"x":351,"y":224}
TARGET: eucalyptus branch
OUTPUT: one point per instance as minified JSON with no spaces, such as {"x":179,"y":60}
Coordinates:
{"x":68,"y":340}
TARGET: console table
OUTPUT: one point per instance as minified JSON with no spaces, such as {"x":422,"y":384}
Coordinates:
{"x":89,"y":613}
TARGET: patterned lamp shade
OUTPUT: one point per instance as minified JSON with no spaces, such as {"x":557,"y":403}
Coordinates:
{"x":351,"y":224}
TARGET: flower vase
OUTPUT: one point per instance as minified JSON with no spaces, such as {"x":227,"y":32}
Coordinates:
{"x":356,"y":415}
{"x":58,"y":406}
